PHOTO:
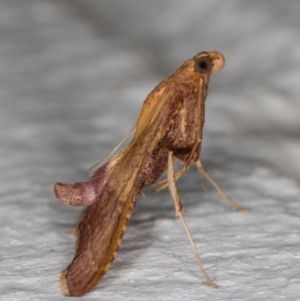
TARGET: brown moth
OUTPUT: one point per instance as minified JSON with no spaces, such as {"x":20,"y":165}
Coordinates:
{"x":169,"y":126}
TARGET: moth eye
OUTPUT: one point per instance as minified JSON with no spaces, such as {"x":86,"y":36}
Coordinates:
{"x":203,"y":65}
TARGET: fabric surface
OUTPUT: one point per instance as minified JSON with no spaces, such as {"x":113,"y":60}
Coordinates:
{"x":73,"y":76}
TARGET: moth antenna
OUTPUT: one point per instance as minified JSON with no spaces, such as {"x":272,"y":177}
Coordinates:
{"x":115,"y":149}
{"x":208,"y":279}
{"x":197,"y":126}
{"x":223,"y":194}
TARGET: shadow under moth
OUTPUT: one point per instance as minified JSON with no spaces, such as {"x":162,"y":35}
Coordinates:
{"x":169,"y":127}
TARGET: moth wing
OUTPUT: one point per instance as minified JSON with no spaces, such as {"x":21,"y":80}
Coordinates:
{"x":102,"y":227}
{"x":99,"y":236}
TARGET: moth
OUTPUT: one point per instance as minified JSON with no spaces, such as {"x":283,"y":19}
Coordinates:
{"x":169,"y":127}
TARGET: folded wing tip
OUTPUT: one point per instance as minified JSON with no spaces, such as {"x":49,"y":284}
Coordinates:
{"x":63,"y":283}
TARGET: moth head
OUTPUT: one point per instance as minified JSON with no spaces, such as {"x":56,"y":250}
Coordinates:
{"x":207,"y":62}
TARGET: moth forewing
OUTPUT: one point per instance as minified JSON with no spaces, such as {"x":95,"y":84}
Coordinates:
{"x":170,"y":121}
{"x":101,"y":228}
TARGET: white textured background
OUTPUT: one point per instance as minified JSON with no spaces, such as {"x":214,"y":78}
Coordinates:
{"x":73,"y":76}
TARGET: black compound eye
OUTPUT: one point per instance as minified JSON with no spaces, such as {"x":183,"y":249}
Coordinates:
{"x":203,"y":65}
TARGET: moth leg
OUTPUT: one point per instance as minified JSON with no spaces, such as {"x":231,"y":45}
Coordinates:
{"x":164,"y":183}
{"x":203,"y":171}
{"x":178,"y":211}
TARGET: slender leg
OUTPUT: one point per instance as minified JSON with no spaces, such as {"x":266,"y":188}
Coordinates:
{"x":178,"y":211}
{"x":164,"y":183}
{"x":203,"y":171}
